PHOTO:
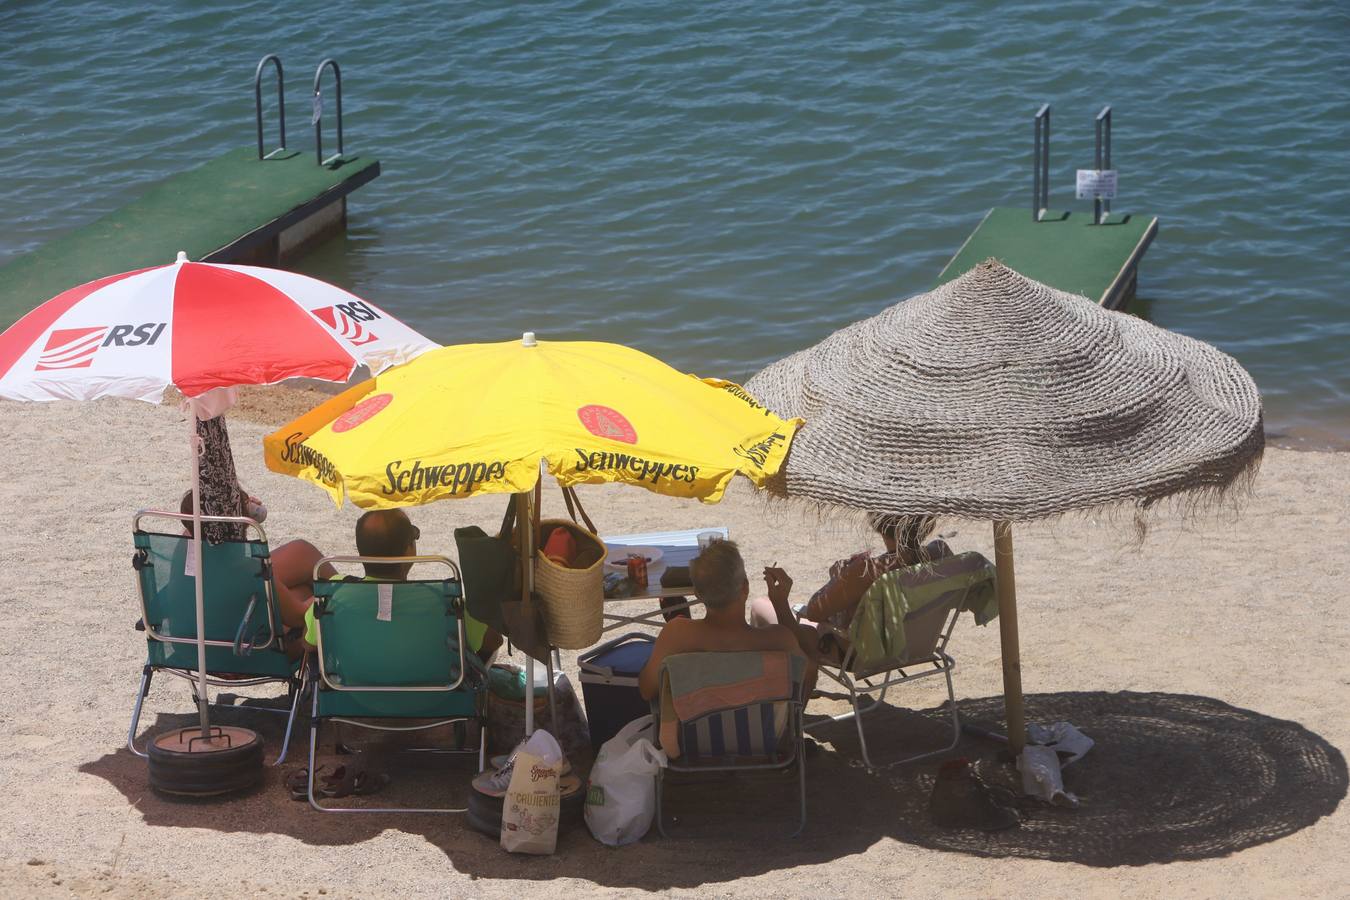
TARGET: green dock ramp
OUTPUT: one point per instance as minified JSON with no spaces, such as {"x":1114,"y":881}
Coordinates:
{"x":235,"y":208}
{"x":1064,"y":250}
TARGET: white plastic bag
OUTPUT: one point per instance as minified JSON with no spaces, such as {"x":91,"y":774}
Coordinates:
{"x":1040,"y":761}
{"x":621,"y":799}
{"x":531,"y":805}
{"x":1041,"y":777}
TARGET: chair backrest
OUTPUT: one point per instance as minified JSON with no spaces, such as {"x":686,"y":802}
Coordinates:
{"x":906,"y":613}
{"x":726,"y":704}
{"x":236,"y":590}
{"x":390,"y":635}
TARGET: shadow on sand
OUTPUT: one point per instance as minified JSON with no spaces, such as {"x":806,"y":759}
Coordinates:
{"x":1172,"y":777}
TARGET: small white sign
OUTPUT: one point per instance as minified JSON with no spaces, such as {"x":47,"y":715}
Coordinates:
{"x":318,"y":108}
{"x":1096,"y":184}
{"x":385,"y":593}
{"x":190,"y":560}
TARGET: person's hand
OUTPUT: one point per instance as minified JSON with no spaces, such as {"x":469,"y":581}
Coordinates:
{"x":779,"y":584}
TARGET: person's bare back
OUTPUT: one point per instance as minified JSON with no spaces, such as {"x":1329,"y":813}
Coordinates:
{"x":720,"y":582}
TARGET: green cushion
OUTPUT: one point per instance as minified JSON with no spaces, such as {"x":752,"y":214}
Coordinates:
{"x":222,"y":661}
{"x":414,"y":642}
{"x":234,"y":573}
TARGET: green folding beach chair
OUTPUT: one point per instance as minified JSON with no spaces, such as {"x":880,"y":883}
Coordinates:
{"x":742,"y":711}
{"x":245,"y":643}
{"x":393,"y":656}
{"x":900,"y":633}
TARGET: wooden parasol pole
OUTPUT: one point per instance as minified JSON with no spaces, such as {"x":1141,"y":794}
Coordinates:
{"x":1007,"y":631}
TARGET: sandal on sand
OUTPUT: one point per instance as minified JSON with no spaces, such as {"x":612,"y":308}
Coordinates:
{"x":298,"y":782}
{"x":347,"y":781}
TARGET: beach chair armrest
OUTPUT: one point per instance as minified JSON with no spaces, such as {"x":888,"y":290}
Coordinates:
{"x":240,"y":648}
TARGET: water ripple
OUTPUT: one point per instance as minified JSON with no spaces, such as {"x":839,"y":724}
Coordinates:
{"x":725,"y":183}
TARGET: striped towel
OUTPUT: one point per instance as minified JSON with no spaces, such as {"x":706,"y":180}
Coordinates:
{"x":725,"y":703}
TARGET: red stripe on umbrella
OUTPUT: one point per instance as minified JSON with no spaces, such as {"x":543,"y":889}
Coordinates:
{"x":231,"y":328}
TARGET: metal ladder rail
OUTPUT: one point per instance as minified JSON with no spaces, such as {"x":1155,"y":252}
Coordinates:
{"x":1040,"y":165}
{"x":1103,"y":162}
{"x":318,"y":111}
{"x":281,"y":103}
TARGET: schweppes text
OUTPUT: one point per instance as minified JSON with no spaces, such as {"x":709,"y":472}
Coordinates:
{"x":759,"y":453}
{"x":460,"y":478}
{"x":644,"y":469}
{"x":295,"y":451}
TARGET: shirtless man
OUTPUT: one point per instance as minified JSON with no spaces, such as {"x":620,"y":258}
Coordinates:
{"x":719,"y":580}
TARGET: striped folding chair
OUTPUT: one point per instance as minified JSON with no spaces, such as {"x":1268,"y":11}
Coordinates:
{"x":724,"y":711}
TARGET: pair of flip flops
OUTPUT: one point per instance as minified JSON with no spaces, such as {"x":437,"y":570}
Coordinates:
{"x":349,"y":780}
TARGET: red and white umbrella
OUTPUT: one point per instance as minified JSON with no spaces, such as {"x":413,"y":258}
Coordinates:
{"x":199,"y":327}
{"x":195,"y":326}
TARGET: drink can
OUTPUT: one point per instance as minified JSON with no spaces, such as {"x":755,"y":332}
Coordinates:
{"x":637,"y":569}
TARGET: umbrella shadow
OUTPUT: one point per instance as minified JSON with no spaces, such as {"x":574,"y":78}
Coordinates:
{"x":1220,"y":779}
{"x":1172,"y":777}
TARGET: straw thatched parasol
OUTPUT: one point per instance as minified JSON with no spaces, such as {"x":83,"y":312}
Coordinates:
{"x":997,"y":397}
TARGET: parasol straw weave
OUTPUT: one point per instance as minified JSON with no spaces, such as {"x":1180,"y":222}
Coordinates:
{"x":998,"y":397}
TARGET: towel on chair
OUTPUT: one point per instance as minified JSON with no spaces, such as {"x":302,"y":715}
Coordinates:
{"x":698,"y":684}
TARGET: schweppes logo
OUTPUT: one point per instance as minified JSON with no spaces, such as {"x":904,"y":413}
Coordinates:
{"x":458,"y":477}
{"x":758,"y":453}
{"x":630,"y":464}
{"x":295,"y":451}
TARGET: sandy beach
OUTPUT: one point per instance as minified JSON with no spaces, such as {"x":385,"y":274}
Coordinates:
{"x":1208,"y":662}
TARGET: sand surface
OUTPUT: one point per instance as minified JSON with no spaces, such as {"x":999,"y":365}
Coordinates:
{"x":1208,"y":663}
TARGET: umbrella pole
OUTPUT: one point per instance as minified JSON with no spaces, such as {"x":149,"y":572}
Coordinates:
{"x":194,"y":442}
{"x":1007,"y":632}
{"x":525,"y":518}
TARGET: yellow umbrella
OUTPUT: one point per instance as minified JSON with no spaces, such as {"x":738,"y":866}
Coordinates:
{"x":479,"y":418}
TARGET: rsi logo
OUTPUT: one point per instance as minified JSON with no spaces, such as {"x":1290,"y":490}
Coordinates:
{"x":346,"y":319}
{"x":74,"y":348}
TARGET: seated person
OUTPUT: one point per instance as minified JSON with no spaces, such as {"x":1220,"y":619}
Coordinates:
{"x":389,"y":532}
{"x":719,"y":580}
{"x":292,"y":568}
{"x":834,"y":604}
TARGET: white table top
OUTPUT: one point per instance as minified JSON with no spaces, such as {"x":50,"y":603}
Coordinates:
{"x":677,"y":549}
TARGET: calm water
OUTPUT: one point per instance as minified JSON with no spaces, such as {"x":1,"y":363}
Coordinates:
{"x":724,"y":183}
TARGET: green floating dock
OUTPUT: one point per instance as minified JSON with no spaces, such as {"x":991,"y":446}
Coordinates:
{"x":235,"y":208}
{"x":1064,"y":250}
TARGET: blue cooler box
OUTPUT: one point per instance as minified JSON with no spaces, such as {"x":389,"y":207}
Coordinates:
{"x":609,"y":682}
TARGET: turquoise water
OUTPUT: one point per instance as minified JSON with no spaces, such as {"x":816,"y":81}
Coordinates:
{"x":721,"y":184}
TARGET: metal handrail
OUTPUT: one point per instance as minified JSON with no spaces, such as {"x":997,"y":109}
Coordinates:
{"x":281,"y":103}
{"x":1100,"y":205}
{"x":1040,"y":165}
{"x":318,"y":111}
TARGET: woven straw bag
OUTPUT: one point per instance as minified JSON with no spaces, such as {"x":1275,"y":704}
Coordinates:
{"x":572,"y":600}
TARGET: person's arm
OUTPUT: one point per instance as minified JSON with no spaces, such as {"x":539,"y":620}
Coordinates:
{"x":847,"y":582}
{"x":780,"y":586}
{"x":649,"y":679}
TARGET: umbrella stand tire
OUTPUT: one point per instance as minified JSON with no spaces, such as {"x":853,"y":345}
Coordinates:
{"x":183,"y":763}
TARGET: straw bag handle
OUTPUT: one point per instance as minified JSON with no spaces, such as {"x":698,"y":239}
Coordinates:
{"x":574,"y":507}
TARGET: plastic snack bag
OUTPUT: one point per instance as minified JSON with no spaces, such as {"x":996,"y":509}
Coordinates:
{"x":531,"y":805}
{"x":621,"y":799}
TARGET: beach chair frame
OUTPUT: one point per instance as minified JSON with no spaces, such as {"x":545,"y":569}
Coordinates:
{"x":273,"y":644}
{"x":321,"y":680}
{"x":877,"y":679}
{"x":793,"y":733}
